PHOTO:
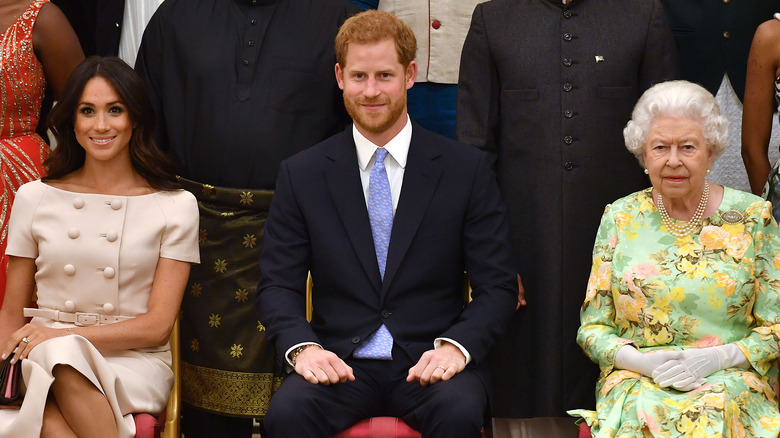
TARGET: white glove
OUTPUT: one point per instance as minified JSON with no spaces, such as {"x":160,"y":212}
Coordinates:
{"x":629,"y":358}
{"x":696,"y":364}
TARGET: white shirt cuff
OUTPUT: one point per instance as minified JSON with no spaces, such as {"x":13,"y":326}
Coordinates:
{"x":438,"y":342}
{"x":287,"y":353}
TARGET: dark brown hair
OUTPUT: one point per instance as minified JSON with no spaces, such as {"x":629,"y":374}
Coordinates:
{"x":373,"y":26}
{"x":148,"y":160}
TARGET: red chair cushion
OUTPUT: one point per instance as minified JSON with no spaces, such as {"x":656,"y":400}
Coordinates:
{"x":147,"y":426}
{"x":380,"y":427}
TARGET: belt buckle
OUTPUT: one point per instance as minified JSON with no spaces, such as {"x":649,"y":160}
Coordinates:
{"x":86,"y":319}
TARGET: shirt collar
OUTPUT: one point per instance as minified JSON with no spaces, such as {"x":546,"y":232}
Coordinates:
{"x":398,"y":147}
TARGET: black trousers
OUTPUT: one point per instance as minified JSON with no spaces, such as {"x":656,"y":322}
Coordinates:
{"x":197,"y":423}
{"x":451,"y":409}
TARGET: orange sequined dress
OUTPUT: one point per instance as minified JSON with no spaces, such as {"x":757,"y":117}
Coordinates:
{"x":22,"y":84}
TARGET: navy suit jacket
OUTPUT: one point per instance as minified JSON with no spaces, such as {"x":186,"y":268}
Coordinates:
{"x":449,"y":218}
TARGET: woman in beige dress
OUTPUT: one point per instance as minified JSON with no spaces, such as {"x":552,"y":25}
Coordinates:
{"x":107,"y":241}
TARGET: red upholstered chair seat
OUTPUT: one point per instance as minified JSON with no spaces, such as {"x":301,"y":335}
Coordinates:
{"x":147,"y":426}
{"x":380,"y":427}
{"x":585,"y":431}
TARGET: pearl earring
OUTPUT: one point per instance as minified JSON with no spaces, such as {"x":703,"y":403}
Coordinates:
{"x":708,"y":171}
{"x":647,"y":172}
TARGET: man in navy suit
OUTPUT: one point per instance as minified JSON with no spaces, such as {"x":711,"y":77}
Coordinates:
{"x":387,"y":217}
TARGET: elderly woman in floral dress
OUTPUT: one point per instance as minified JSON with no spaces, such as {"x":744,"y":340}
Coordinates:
{"x":682,"y":311}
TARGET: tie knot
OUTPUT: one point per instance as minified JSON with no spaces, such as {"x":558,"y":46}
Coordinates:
{"x":381,"y":153}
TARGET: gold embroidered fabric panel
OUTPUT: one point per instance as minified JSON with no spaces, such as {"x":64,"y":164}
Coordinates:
{"x":230,"y":365}
{"x":228,"y":392}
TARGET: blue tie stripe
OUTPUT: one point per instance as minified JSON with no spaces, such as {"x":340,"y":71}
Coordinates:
{"x":380,"y":214}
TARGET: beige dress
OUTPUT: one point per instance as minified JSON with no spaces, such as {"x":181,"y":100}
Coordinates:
{"x":97,"y":254}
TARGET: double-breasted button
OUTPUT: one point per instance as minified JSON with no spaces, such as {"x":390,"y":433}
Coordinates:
{"x":73,"y":233}
{"x":385,"y":314}
{"x":69,"y":269}
{"x":567,"y":36}
{"x":567,"y":62}
{"x":70,"y":306}
{"x":246,"y":62}
{"x":356,"y":340}
{"x":251,"y":43}
{"x":569,"y":165}
{"x":567,"y":14}
{"x":78,"y":203}
{"x":725,"y":2}
{"x":109,"y":272}
{"x":115,"y":204}
{"x":436,"y":24}
{"x":567,"y":87}
{"x":727,"y":34}
{"x":108,"y":308}
{"x":111,"y":236}
{"x":568,"y":139}
{"x":253,"y":21}
{"x":568,"y":113}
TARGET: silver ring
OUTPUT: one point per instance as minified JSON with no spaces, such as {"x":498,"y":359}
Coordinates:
{"x":445,"y":369}
{"x":25,"y":340}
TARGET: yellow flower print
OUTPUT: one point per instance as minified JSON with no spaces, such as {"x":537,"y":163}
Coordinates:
{"x":241,"y":295}
{"x":203,"y":235}
{"x":715,"y":400}
{"x":777,"y":260}
{"x":617,"y":377}
{"x":690,"y":270}
{"x":661,"y":338}
{"x":195,"y":345}
{"x":646,"y":204}
{"x":725,"y":282}
{"x":260,"y":326}
{"x":693,"y":429}
{"x":766,"y":211}
{"x":677,"y":294}
{"x":196,"y":289}
{"x":599,"y":280}
{"x":236,"y":350}
{"x":713,"y":237}
{"x":622,"y":220}
{"x":715,"y":301}
{"x":214,"y":320}
{"x":737,"y":245}
{"x":734,"y":229}
{"x":770,"y":423}
{"x":758,"y":385}
{"x":629,"y":306}
{"x":687,"y":247}
{"x":660,"y":310}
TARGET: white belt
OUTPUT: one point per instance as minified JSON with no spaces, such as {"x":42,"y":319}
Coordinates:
{"x":80,"y":319}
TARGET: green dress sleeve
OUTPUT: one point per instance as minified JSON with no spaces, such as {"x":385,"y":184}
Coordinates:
{"x":598,"y":334}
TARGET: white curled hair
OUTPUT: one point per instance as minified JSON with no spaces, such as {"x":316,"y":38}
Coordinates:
{"x":676,"y":99}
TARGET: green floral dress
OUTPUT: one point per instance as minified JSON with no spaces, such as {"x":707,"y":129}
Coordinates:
{"x":717,"y":286}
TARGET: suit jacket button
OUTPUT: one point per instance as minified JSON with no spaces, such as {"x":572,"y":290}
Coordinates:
{"x":356,"y":339}
{"x":569,"y":165}
{"x":385,"y":314}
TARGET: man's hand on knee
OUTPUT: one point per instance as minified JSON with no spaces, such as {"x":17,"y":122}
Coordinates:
{"x":439,"y":364}
{"x":317,"y":365}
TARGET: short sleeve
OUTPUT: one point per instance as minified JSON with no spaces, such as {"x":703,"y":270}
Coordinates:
{"x":21,"y":241}
{"x":180,"y":238}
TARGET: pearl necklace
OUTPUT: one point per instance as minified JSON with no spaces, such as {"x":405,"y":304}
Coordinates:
{"x":692,"y":224}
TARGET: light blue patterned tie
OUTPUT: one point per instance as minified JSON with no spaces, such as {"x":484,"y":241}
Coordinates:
{"x":380,"y":213}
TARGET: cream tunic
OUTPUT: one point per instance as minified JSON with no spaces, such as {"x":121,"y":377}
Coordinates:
{"x":97,"y":254}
